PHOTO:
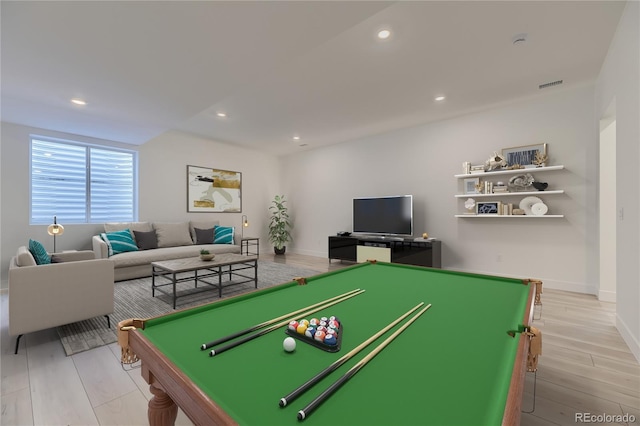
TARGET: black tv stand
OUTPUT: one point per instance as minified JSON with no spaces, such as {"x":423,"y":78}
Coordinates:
{"x":379,"y":238}
{"x":402,"y":250}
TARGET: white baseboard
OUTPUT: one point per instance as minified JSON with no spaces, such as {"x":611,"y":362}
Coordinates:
{"x":628,"y":337}
{"x":546,"y":282}
{"x":310,"y":253}
{"x":607,"y":296}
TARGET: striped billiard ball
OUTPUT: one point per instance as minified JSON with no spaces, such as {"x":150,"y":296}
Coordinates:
{"x":319,"y":336}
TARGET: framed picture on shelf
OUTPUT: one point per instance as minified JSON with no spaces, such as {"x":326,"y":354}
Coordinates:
{"x":471,"y":185}
{"x":525,"y":155}
{"x":213,"y":190}
{"x":488,"y":207}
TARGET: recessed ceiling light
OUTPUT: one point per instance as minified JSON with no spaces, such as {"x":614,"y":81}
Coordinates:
{"x":78,"y":101}
{"x":384,"y":34}
{"x":296,"y":138}
{"x":439,"y":98}
{"x":221,"y":114}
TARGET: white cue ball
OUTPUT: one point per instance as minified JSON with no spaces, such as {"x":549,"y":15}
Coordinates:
{"x":289,"y":344}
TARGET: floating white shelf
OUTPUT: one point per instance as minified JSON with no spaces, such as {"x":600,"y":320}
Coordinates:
{"x":510,"y":172}
{"x":510,"y":194}
{"x":499,"y":195}
{"x":488,"y":216}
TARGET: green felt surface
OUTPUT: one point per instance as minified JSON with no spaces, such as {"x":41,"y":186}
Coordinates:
{"x":451,"y":367}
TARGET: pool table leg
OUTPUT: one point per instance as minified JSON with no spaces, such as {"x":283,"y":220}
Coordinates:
{"x":162,"y":410}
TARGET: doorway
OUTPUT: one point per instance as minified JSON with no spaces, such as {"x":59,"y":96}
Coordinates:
{"x":607,"y":206}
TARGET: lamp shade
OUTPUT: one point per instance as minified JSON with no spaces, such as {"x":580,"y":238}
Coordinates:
{"x":55,"y":229}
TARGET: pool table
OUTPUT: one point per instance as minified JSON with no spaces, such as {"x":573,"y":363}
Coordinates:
{"x":462,"y":362}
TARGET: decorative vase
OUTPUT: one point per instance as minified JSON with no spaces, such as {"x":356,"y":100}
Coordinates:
{"x":540,"y":186}
{"x":209,"y":256}
{"x":280,"y":251}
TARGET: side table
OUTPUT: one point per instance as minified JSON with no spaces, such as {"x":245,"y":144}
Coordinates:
{"x":250,"y":246}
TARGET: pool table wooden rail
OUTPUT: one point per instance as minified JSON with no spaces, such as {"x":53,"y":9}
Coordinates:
{"x":170,"y":386}
{"x":513,"y":407}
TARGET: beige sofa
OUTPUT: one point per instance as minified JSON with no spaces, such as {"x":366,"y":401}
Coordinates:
{"x":46,"y":296}
{"x":175,"y":240}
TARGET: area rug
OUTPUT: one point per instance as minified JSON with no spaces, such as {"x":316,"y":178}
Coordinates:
{"x":133,"y":299}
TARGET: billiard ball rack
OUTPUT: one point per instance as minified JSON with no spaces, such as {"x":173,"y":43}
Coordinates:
{"x":320,"y":345}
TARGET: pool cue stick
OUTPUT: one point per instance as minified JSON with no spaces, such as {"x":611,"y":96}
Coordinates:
{"x":262,"y":332}
{"x":336,"y":364}
{"x":306,"y":411}
{"x":269,"y":322}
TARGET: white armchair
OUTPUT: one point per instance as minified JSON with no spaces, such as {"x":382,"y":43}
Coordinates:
{"x":44,"y":296}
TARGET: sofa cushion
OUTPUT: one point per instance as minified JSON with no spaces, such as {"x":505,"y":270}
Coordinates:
{"x":204,"y":236}
{"x":145,"y":257}
{"x":132,"y":226}
{"x":24,"y":257}
{"x":201,"y":225}
{"x":119,"y":241}
{"x":73,"y":256}
{"x":223,"y":235}
{"x":173,"y":234}
{"x":39,"y":252}
{"x":146,"y":240}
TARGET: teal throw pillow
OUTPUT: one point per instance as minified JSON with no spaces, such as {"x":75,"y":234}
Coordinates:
{"x":119,"y":241}
{"x":223,"y":234}
{"x":39,"y":253}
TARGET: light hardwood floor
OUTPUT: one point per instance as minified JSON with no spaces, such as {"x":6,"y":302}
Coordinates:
{"x":585,"y":367}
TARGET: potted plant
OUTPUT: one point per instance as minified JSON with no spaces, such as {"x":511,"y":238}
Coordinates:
{"x":206,"y":254}
{"x":279,"y":224}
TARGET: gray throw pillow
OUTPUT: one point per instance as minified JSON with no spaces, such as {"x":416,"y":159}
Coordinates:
{"x":146,"y":240}
{"x":204,"y":236}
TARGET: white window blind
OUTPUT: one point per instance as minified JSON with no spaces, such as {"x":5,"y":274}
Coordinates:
{"x":81,"y":183}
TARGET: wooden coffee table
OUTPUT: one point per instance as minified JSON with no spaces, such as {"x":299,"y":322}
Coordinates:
{"x":166,"y":271}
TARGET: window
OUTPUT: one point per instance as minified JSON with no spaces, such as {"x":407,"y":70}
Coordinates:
{"x":81,"y":183}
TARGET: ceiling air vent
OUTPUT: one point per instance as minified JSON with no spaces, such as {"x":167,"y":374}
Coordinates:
{"x":551,"y":84}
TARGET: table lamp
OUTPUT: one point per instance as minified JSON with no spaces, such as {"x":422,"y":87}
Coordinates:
{"x":55,"y":229}
{"x":245,"y":224}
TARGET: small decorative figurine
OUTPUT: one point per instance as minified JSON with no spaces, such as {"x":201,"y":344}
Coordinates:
{"x":521,"y":182}
{"x":495,"y":162}
{"x":540,"y":186}
{"x":540,"y":159}
{"x":470,"y":205}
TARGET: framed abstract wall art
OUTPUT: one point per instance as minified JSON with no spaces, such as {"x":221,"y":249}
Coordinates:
{"x":488,"y":207}
{"x":213,"y":190}
{"x":529,"y":155}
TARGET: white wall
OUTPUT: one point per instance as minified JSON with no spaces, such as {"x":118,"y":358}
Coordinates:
{"x":162,"y":186}
{"x":620,"y":81}
{"x":14,"y":227}
{"x":422,"y":161}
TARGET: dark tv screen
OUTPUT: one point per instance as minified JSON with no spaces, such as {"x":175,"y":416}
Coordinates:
{"x":383,"y":215}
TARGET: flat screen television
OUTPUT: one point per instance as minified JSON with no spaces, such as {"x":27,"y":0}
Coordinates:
{"x":391,"y":215}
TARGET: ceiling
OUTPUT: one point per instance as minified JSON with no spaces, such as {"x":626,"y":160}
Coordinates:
{"x":281,"y":69}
